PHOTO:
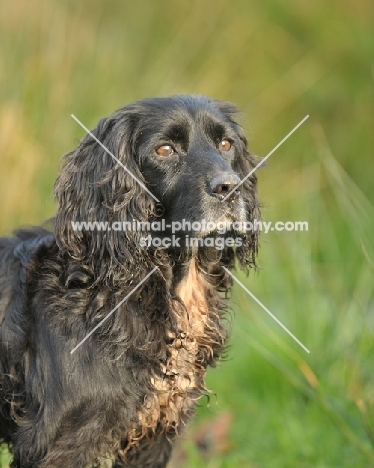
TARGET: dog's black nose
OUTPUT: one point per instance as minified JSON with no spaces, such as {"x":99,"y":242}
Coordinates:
{"x":222,"y":184}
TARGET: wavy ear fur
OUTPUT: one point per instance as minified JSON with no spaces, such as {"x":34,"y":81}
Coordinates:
{"x":93,"y":187}
{"x":247,"y":252}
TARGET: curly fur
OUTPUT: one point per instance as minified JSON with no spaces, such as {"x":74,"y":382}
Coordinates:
{"x":131,"y":387}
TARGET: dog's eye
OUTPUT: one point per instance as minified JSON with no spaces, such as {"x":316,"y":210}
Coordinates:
{"x":224,"y":145}
{"x":165,"y":150}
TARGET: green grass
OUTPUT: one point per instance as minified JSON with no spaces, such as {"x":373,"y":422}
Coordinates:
{"x":276,"y":405}
{"x":4,"y":456}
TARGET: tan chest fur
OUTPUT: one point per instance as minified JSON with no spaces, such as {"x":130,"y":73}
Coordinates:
{"x":182,"y":378}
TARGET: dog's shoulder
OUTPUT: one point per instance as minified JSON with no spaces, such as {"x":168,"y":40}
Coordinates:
{"x":16,"y":252}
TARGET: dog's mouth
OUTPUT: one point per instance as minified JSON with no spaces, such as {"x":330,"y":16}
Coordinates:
{"x":222,"y":218}
{"x":219,"y":225}
{"x":225,"y":224}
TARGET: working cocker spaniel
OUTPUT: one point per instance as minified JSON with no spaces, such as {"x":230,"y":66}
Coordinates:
{"x":107,"y":330}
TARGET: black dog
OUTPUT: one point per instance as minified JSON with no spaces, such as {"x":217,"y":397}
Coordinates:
{"x":129,"y":388}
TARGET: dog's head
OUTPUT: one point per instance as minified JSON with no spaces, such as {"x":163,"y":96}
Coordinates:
{"x":185,"y":155}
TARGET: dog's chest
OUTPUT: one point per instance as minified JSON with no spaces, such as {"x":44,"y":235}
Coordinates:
{"x":182,"y":375}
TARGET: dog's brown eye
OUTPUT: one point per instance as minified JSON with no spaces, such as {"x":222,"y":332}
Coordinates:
{"x":225,"y":145}
{"x":165,"y":150}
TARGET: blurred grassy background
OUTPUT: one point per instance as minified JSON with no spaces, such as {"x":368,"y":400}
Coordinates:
{"x":278,"y":61}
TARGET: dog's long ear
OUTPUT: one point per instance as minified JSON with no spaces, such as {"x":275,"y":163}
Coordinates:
{"x":243,"y":165}
{"x":94,"y":187}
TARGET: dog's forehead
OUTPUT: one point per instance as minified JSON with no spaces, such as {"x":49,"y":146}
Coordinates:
{"x":184,"y":113}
